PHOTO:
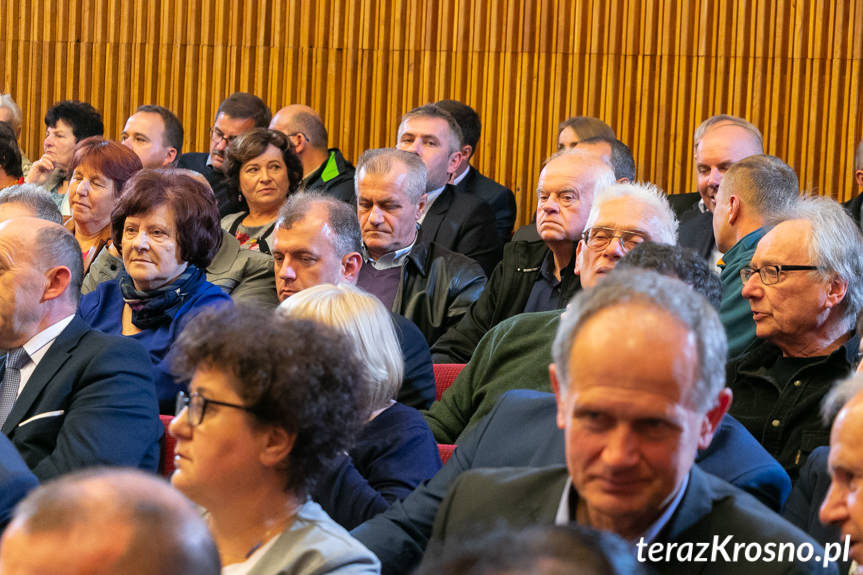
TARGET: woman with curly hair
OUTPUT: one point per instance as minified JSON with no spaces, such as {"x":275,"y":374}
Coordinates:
{"x":270,"y":402}
{"x":263,"y":170}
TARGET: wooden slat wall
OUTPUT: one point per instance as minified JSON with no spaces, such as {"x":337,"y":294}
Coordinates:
{"x":653,"y":69}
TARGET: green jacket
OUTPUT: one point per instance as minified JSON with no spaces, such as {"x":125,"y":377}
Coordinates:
{"x":734,"y":311}
{"x":514,"y":354}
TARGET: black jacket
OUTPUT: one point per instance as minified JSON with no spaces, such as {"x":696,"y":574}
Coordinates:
{"x":504,"y":296}
{"x":334,"y":178}
{"x":197,"y":161}
{"x":501,"y":200}
{"x":464,"y":224}
{"x":436,"y":288}
{"x":697,"y":233}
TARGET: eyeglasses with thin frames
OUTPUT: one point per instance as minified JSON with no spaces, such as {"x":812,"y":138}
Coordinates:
{"x":771,"y":274}
{"x":217,"y":135}
{"x":196,"y":404}
{"x":598,"y":238}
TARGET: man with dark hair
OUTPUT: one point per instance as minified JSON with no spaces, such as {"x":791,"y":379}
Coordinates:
{"x":28,"y":200}
{"x":10,"y":157}
{"x":467,"y":178}
{"x":753,"y":190}
{"x":425,"y":282}
{"x":67,"y":123}
{"x":155,"y":134}
{"x":70,"y":396}
{"x":101,"y":522}
{"x":237,"y":114}
{"x":325,"y":169}
{"x":534,"y":275}
{"x":462,"y":223}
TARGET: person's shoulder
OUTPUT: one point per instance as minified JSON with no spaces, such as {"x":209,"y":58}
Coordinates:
{"x":101,"y":301}
{"x":192,"y":160}
{"x":482,"y":181}
{"x":528,"y":322}
{"x":454,"y":261}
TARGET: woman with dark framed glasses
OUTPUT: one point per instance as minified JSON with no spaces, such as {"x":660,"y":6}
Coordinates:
{"x":269,"y":402}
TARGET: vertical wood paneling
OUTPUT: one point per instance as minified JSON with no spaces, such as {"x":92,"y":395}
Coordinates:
{"x":653,"y":69}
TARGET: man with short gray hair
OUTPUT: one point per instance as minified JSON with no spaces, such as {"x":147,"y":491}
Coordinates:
{"x":28,"y":200}
{"x":805,"y":288}
{"x":637,"y":373}
{"x":102,"y":522}
{"x":752,"y":190}
{"x":325,"y":169}
{"x":425,"y":282}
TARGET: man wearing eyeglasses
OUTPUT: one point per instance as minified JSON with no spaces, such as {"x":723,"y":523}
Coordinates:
{"x":534,"y":275}
{"x":805,"y":288}
{"x":237,"y":114}
{"x":325,"y":169}
{"x":752,"y":190}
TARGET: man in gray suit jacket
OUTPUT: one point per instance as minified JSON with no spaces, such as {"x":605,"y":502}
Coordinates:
{"x":638,"y":376}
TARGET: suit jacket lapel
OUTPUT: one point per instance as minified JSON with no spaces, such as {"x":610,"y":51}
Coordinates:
{"x":697,"y":502}
{"x":435,"y":216}
{"x":51,"y":362}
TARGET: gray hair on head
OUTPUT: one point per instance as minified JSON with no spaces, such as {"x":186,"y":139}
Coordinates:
{"x":840,"y":394}
{"x":34,"y":197}
{"x":342,"y":218}
{"x":434,"y":111}
{"x":382,"y":161}
{"x":666,"y":293}
{"x":645,"y":192}
{"x":727,"y":120}
{"x":7,"y":102}
{"x":835,"y":246}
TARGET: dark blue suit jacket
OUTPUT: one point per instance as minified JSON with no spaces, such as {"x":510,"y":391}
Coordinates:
{"x":521,"y":430}
{"x":90,"y":401}
{"x":499,"y":198}
{"x":197,"y":161}
{"x":16,"y":480}
{"x":418,"y":387}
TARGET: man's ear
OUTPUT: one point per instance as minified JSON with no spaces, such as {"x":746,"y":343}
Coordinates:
{"x":454,"y":161}
{"x":277,"y":445}
{"x":578,"y":257}
{"x":57,"y":280}
{"x":421,"y":206}
{"x":713,"y":418}
{"x":734,"y":208}
{"x":351,"y":265}
{"x":466,"y":152}
{"x":858,"y":175}
{"x":559,"y":395}
{"x":836,"y":290}
{"x":169,"y":159}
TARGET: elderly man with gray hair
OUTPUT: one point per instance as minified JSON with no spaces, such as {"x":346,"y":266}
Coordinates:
{"x":28,"y":200}
{"x":805,"y":288}
{"x":100,"y":522}
{"x":422,"y":281}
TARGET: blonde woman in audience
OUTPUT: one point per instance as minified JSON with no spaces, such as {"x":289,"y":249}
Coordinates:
{"x":262,"y":169}
{"x":270,"y":401}
{"x":99,"y":170}
{"x":395,"y":450}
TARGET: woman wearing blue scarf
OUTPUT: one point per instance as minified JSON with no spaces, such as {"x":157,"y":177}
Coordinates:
{"x":167,"y":228}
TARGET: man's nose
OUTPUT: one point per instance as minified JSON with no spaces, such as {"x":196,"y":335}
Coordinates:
{"x":376,"y":215}
{"x":715,"y":177}
{"x":621,"y":448}
{"x":834,"y":510}
{"x":287,"y":272}
{"x":752,"y":287}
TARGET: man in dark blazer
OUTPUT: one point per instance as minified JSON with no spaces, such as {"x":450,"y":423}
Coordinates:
{"x":237,"y":114}
{"x":16,"y":480}
{"x":637,"y":372}
{"x":458,"y":222}
{"x":467,"y":178}
{"x":70,"y":396}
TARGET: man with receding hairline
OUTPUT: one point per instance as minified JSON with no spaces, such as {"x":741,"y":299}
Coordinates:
{"x":70,"y":396}
{"x":325,"y":169}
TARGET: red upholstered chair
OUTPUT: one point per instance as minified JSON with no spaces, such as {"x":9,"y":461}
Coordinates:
{"x":445,"y":450}
{"x":444,"y":375}
{"x":169,"y":443}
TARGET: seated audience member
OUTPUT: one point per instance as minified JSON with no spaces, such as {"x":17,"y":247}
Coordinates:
{"x":10,"y":158}
{"x":325,"y":169}
{"x":16,"y":480}
{"x":99,"y":522}
{"x":514,"y":354}
{"x":719,"y":142}
{"x":805,"y":287}
{"x":237,"y":114}
{"x":461,"y":223}
{"x":395,"y":450}
{"x":855,"y":205}
{"x":167,"y":230}
{"x":637,"y":373}
{"x":67,"y":123}
{"x":318,"y":240}
{"x":467,"y":178}
{"x":155,"y":134}
{"x":11,"y":114}
{"x":753,"y":189}
{"x":70,"y":397}
{"x":573,"y":130}
{"x":28,"y":200}
{"x":262,"y":170}
{"x":99,"y":170}
{"x":810,"y":490}
{"x":538,"y":550}
{"x":244,"y":275}
{"x":424,"y":282}
{"x":841,"y":512}
{"x":270,"y":401}
{"x":538,"y":275}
